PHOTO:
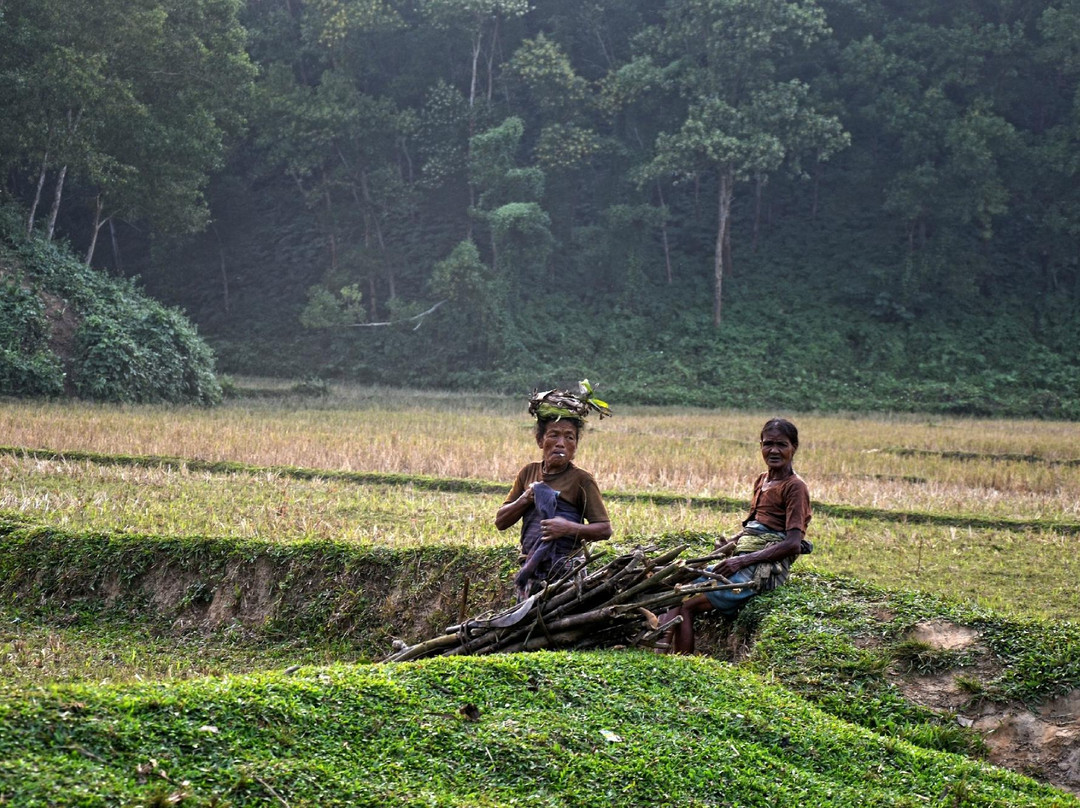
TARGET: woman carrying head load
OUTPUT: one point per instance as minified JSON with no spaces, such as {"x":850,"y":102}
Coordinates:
{"x":558,"y":503}
{"x":772,"y":536}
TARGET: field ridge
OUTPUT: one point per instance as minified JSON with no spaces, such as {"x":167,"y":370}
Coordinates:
{"x":599,"y":730}
{"x":837,"y":644}
{"x":1004,"y":457}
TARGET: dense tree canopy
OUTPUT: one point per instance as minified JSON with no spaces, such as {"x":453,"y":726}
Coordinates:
{"x":129,"y":101}
{"x":445,"y":190}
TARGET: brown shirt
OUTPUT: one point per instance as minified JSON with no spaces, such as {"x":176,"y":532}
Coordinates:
{"x":783,"y":506}
{"x":575,"y":486}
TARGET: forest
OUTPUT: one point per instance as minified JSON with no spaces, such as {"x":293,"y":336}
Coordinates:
{"x":823,"y":204}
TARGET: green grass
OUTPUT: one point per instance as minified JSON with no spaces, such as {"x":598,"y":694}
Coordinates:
{"x":292,"y":505}
{"x":599,"y":729}
{"x":838,"y":642}
{"x":76,"y":645}
{"x":835,"y":641}
{"x":1008,"y":570}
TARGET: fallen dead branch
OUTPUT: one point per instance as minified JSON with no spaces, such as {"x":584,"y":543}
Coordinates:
{"x":615,"y":605}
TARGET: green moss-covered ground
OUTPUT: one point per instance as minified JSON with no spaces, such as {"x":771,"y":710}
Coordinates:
{"x":553,"y":729}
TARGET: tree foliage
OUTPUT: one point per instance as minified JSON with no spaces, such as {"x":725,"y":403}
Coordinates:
{"x":743,"y":119}
{"x":654,"y":180}
{"x":132,"y":102}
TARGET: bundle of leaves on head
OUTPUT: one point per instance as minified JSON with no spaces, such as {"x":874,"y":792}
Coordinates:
{"x":552,"y":405}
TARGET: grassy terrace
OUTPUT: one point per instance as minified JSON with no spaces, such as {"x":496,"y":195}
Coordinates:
{"x":958,"y":520}
{"x":540,"y":729}
{"x":954,"y":506}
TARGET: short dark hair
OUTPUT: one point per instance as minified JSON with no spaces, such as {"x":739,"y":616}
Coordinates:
{"x":542,"y":425}
{"x":785,"y":427}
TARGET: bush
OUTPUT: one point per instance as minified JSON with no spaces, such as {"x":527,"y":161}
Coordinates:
{"x":125,"y":346}
{"x":27,"y":366}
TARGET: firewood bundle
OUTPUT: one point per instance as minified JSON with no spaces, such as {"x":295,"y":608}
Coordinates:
{"x":615,"y":605}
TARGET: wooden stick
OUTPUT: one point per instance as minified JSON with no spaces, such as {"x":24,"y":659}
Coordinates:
{"x":424,"y":648}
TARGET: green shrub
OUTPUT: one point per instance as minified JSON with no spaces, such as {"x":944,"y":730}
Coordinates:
{"x":27,"y":366}
{"x":126,"y":347}
{"x":36,"y":374}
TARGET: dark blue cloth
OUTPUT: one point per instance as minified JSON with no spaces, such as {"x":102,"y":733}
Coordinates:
{"x":729,"y":601}
{"x":541,"y":557}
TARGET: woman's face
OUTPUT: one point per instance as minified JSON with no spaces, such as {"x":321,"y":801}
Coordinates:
{"x":776,"y":450}
{"x":558,"y":445}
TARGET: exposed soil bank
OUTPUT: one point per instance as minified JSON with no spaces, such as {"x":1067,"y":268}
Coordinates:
{"x":370,"y":596}
{"x":1042,"y":743}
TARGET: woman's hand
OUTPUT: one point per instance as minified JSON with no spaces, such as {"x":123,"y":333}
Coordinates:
{"x":590,"y":531}
{"x":557,"y":526}
{"x":509,"y":513}
{"x":729,"y":566}
{"x":773,"y":552}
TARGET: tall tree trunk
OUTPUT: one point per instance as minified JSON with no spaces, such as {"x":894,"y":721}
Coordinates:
{"x":224,"y":273}
{"x":491,"y":60}
{"x":473,"y":80}
{"x":759,"y":188}
{"x":74,"y":118}
{"x":472,"y":114}
{"x":469,"y":218}
{"x":59,"y":192}
{"x":372,"y":215}
{"x":37,"y":195}
{"x":115,"y":247}
{"x":603,"y":47}
{"x":99,"y":205}
{"x":663,"y":234}
{"x":725,"y":192}
{"x":372,"y":302}
{"x":727,"y":250}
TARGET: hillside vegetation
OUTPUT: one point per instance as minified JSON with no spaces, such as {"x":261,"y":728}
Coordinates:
{"x":840,"y":205}
{"x":67,"y":329}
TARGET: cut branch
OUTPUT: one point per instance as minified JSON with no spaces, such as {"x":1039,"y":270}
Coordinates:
{"x":419,"y":317}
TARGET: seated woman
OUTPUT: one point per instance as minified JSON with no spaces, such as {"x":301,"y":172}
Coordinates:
{"x":773,"y":535}
{"x":559,"y":504}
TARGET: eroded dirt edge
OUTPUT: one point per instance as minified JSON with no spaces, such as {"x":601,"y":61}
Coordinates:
{"x":1042,"y":743}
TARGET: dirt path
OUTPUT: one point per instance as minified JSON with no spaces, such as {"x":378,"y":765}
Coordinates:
{"x":1044,"y":744}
